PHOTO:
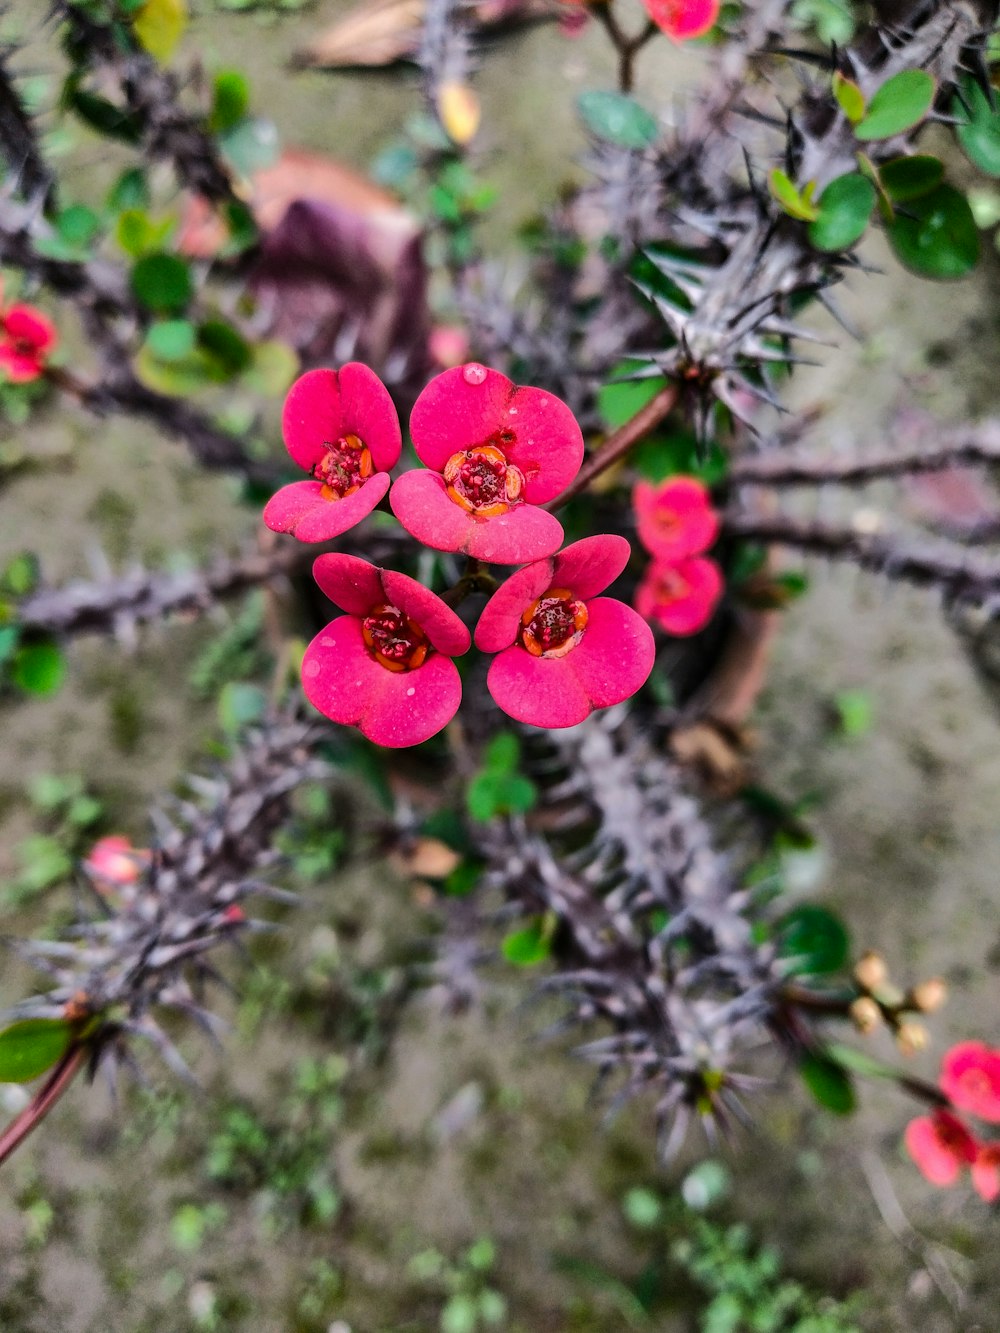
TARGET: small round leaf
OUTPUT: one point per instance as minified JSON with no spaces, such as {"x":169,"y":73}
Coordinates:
{"x":829,"y":1083}
{"x":38,"y":668}
{"x":617,"y":119}
{"x":844,"y":209}
{"x":902,"y":102}
{"x":814,"y":939}
{"x":937,"y":235}
{"x":906,"y":178}
{"x":979,"y":135}
{"x":162,"y":283}
{"x":32,"y":1046}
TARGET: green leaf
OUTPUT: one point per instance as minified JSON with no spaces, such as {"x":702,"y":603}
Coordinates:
{"x":20,"y":576}
{"x":795,"y":203}
{"x":902,"y":102}
{"x":162,"y":283}
{"x":850,"y":98}
{"x":979,"y":130}
{"x":225,"y":347}
{"x":273,"y":366}
{"x":829,"y":1083}
{"x":490,"y":794}
{"x":620,"y":399}
{"x":527,"y":946}
{"x":32,"y":1046}
{"x":230,"y":100}
{"x":171,"y":339}
{"x":642,"y":1208}
{"x":844,"y":209}
{"x":814,"y":938}
{"x":130,"y":190}
{"x":937,"y":235}
{"x":680,"y":453}
{"x":10,"y":636}
{"x":159,"y":26}
{"x":617,"y":119}
{"x":241,"y":226}
{"x":78,"y":226}
{"x":240,"y":706}
{"x":854,"y":711}
{"x":502,"y":753}
{"x":38,"y":668}
{"x":104,"y":116}
{"x":906,"y":178}
{"x":139,"y":235}
{"x":251,"y":145}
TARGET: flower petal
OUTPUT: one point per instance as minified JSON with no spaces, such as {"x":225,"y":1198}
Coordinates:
{"x":28,"y":325}
{"x":19,"y":367}
{"x":501,"y":616}
{"x":589,"y":566}
{"x":615,"y":655}
{"x":940,"y":1145}
{"x":329,"y":518}
{"x":324,"y":405}
{"x":680,"y":596}
{"x":541,"y":691}
{"x":420,"y":501}
{"x":470,"y":405}
{"x":986,"y":1172}
{"x":675,"y":519}
{"x":345,"y":683}
{"x":351,"y":583}
{"x":682,"y":20}
{"x":970,"y":1077}
{"x":287,"y":506}
{"x":438,"y":621}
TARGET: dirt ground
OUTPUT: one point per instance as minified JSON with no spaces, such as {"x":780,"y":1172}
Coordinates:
{"x":455,"y":1127}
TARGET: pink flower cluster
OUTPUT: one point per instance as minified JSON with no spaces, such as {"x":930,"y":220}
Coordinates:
{"x":27,"y":338}
{"x":941,"y":1144}
{"x":676,"y":523}
{"x":495,"y":452}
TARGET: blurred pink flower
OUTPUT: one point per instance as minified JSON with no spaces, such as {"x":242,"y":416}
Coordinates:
{"x":682,"y":20}
{"x":970,"y":1078}
{"x":676,"y":518}
{"x":27,"y":337}
{"x":115,"y":863}
{"x":680,"y":596}
{"x":941,"y":1146}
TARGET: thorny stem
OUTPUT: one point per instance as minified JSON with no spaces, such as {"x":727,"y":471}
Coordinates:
{"x":43,"y":1101}
{"x":627,"y":47}
{"x":963,"y":445}
{"x":618,"y":444}
{"x":961,"y":576}
{"x":475,"y":579}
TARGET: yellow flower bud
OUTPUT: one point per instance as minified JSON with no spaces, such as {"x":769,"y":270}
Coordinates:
{"x":928,"y":996}
{"x":865,"y":1014}
{"x":911,"y":1038}
{"x":870,"y":971}
{"x":458,"y":109}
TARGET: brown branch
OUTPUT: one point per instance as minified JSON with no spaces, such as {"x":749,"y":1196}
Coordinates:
{"x":967,"y":444}
{"x":42,"y":1103}
{"x":617,"y":445}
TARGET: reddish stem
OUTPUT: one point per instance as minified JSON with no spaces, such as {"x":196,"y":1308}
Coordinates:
{"x":618,"y":444}
{"x":43,"y":1101}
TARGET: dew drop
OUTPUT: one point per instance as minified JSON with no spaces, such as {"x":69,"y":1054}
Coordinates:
{"x":310,"y":669}
{"x":411,"y":691}
{"x":512,"y":411}
{"x":474,"y":373}
{"x":327,"y":642}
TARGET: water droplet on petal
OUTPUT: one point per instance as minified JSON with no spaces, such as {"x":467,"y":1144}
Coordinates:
{"x":310,"y":669}
{"x":327,"y":642}
{"x":410,"y":692}
{"x":512,"y":411}
{"x":474,"y":373}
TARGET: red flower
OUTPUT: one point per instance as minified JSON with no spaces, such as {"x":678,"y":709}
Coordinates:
{"x":986,"y":1172}
{"x":386,"y":666}
{"x":675,"y":519}
{"x":114,"y":862}
{"x":562,"y":650}
{"x":26,"y":339}
{"x":941,"y":1146}
{"x":683,"y":19}
{"x":970,"y":1077}
{"x":341,"y":427}
{"x":494,"y":451}
{"x":680,"y":596}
